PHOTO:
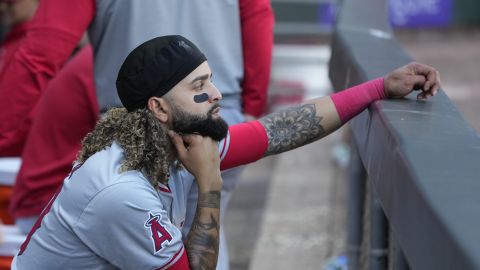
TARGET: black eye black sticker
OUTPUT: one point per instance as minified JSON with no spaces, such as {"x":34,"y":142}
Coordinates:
{"x":200,"y":98}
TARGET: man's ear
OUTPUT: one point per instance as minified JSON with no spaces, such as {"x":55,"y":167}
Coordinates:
{"x":160,"y":108}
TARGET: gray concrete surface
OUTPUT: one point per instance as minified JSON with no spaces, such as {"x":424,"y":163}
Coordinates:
{"x":289,"y":211}
{"x":456,"y":54}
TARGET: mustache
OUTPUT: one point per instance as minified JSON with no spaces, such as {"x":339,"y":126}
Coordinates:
{"x":215,"y":106}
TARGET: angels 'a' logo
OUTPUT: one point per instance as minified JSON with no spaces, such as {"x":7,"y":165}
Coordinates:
{"x":158,"y":232}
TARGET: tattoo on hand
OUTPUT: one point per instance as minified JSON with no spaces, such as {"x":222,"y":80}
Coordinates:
{"x":292,"y":128}
{"x":203,"y":239}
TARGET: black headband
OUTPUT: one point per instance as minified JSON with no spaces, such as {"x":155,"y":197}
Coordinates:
{"x":155,"y":67}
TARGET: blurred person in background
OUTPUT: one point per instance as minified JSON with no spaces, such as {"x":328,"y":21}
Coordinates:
{"x":76,"y":76}
{"x":236,"y":36}
{"x":51,"y":146}
{"x":15,"y":16}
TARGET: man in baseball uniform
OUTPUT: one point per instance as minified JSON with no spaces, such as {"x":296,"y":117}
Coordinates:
{"x":124,"y":203}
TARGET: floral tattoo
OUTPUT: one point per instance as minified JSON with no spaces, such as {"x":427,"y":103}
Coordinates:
{"x":292,"y":128}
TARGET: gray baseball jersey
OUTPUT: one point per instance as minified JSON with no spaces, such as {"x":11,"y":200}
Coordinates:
{"x":104,"y":219}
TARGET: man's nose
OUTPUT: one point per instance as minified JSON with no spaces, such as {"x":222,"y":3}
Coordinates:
{"x":215,"y":95}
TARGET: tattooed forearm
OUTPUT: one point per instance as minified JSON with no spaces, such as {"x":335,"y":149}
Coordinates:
{"x":209,"y":199}
{"x":292,"y":128}
{"x":203,"y":238}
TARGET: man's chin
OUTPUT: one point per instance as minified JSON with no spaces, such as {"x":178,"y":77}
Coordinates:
{"x":213,"y":125}
{"x":219,"y":130}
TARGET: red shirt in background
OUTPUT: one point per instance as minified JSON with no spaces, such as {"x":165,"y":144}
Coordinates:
{"x":56,"y":29}
{"x":7,"y":51}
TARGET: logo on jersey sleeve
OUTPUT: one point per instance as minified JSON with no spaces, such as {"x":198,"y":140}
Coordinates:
{"x":158,"y":232}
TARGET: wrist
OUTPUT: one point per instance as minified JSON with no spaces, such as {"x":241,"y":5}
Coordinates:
{"x":210,"y":182}
{"x":209,"y":199}
{"x":381,"y":87}
{"x":354,"y":100}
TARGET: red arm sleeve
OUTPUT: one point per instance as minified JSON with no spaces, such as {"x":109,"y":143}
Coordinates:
{"x":54,"y":32}
{"x":354,"y":100}
{"x":248,"y":143}
{"x":257,"y":22}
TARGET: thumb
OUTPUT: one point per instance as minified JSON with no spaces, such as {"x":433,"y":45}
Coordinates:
{"x":177,"y":142}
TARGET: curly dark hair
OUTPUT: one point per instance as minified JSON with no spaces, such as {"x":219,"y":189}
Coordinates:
{"x":145,"y":142}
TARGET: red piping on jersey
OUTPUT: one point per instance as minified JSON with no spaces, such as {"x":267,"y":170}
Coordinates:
{"x":38,"y":223}
{"x":181,"y":264}
{"x":164,"y":188}
{"x":223,"y":146}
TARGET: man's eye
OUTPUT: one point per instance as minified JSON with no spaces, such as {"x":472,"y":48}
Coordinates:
{"x":199,"y":86}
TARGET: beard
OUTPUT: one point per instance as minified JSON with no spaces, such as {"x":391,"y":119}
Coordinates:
{"x":187,"y":123}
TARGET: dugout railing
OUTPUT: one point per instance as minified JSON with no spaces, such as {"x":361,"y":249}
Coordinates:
{"x":414,"y":179}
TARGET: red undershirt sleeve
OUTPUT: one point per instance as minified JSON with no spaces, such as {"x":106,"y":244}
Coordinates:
{"x":257,"y":22}
{"x":54,"y":31}
{"x":354,"y":100}
{"x":248,"y":143}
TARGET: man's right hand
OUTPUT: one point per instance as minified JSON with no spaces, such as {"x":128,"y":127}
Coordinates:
{"x":414,"y":76}
{"x":199,"y":155}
